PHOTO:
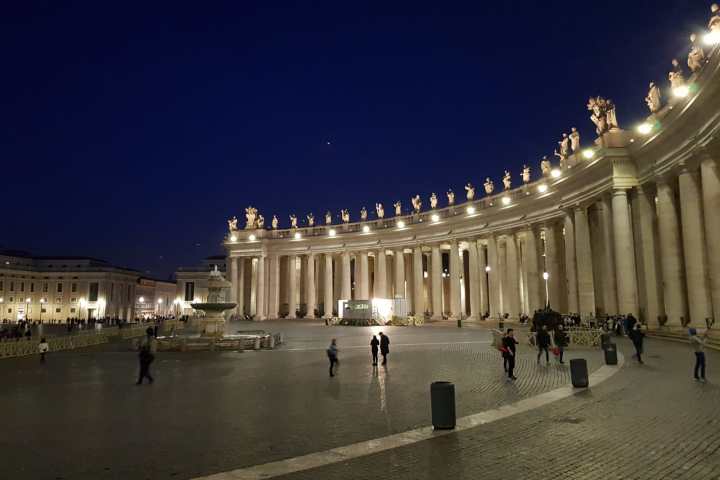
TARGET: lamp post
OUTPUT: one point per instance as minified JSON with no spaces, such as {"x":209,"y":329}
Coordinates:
{"x":159,"y":306}
{"x":42,"y":302}
{"x":487,"y":287}
{"x":546,"y":275}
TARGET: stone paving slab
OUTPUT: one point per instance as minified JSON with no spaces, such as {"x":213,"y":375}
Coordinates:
{"x":212,"y":412}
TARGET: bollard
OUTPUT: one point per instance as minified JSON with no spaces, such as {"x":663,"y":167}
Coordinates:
{"x":610,"y":352}
{"x":442,"y":405}
{"x":579,"y":373}
{"x":459,"y":322}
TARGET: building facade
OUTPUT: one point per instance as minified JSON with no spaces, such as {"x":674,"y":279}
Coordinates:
{"x":154,"y":298}
{"x":625,"y":223}
{"x":192,"y":284}
{"x":53,"y":289}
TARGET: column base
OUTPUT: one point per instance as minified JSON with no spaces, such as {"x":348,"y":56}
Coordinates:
{"x":259,"y":318}
{"x":435,"y":318}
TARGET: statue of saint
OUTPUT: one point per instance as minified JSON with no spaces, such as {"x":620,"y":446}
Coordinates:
{"x":677,"y":79}
{"x":398,"y":208}
{"x":563,"y":159}
{"x":526,"y":174}
{"x":696,"y":57}
{"x":470,"y":191}
{"x":232,"y":224}
{"x":489,"y":186}
{"x":564,"y":145}
{"x":433,"y":201}
{"x":345,"y":215}
{"x":379,"y":210}
{"x":714,"y":24}
{"x":451,"y":197}
{"x":416,"y":203}
{"x":274,"y":222}
{"x":545,"y":166}
{"x":574,"y":140}
{"x":310,"y":219}
{"x":603,"y":114}
{"x":260,"y":221}
{"x":293,"y":221}
{"x":363,"y":214}
{"x":653,"y":99}
{"x":328,"y":218}
{"x":250,"y":217}
{"x":506,"y":180}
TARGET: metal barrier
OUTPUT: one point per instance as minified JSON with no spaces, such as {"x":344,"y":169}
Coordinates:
{"x":69,"y":342}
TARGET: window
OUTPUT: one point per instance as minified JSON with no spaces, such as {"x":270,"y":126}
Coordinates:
{"x":2,"y":286}
{"x":112,"y":292}
{"x":58,"y":300}
{"x":12,"y":286}
{"x":73,"y":287}
{"x":189,"y":291}
{"x":72,"y":310}
{"x":32,"y":287}
{"x":59,"y":287}
{"x":45,"y":287}
{"x":43,"y":310}
{"x":22,"y":286}
{"x":58,"y":310}
{"x":73,"y":300}
{"x":93,"y":293}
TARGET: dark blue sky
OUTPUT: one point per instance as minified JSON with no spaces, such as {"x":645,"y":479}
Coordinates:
{"x":132,"y":133}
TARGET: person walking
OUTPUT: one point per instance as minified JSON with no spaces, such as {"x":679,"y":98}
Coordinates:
{"x":543,"y":343}
{"x":148,"y":347}
{"x":384,"y":347}
{"x":698,"y":344}
{"x":332,"y":353}
{"x":509,"y":349}
{"x":374,"y":350}
{"x":43,"y":348}
{"x":561,"y":341}
{"x":636,"y":337}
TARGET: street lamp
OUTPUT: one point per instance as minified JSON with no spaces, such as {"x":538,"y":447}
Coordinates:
{"x":159,"y":304}
{"x":546,"y":275}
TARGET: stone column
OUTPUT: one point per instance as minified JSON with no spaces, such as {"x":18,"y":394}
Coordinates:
{"x":493,"y":279}
{"x":484,"y":305}
{"x":363,"y":283}
{"x":653,"y":291}
{"x":513,"y":281}
{"x":584,"y":261}
{"x":380,"y":289}
{"x":311,"y":300}
{"x":553,"y":266}
{"x":252,"y":277}
{"x":274,"y":291}
{"x":346,"y":289}
{"x":535,"y":282}
{"x":409,"y":290}
{"x":693,"y":235}
{"x":610,"y":286}
{"x":474,"y":280}
{"x":328,"y":286}
{"x":292,"y":286}
{"x":455,"y":310}
{"x":418,"y":293}
{"x":436,"y":282}
{"x":241,"y":287}
{"x":670,"y":255}
{"x":232,"y":274}
{"x":710,"y":174}
{"x":624,"y":255}
{"x":570,"y":265}
{"x":399,"y":266}
{"x":260,"y":289}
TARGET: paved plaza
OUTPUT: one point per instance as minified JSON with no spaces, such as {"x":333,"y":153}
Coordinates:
{"x":81,"y":417}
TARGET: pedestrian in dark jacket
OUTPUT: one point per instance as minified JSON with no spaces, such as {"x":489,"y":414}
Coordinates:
{"x":332,"y":353}
{"x":148,"y":347}
{"x":698,"y":344}
{"x":374,"y":349}
{"x":384,"y":347}
{"x":561,"y":341}
{"x":543,"y":343}
{"x":636,"y":336}
{"x":508,"y":349}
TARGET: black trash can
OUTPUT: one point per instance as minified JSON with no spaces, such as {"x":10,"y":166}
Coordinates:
{"x":579,"y":373}
{"x":604,"y":340}
{"x":610,"y":352}
{"x":442,"y":404}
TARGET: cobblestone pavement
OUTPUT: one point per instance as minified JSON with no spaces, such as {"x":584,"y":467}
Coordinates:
{"x":80,"y":416}
{"x":647,"y":422}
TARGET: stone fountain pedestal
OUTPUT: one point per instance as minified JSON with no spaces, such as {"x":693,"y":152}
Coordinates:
{"x":213,"y":322}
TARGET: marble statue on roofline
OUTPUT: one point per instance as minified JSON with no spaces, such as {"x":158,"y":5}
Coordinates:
{"x":451,"y":197}
{"x":653,"y":99}
{"x":574,"y":140}
{"x":526,"y":174}
{"x":545,"y":166}
{"x":398,"y":208}
{"x":293,"y":221}
{"x":345,"y":215}
{"x":470,"y":191}
{"x":603,"y":114}
{"x":274,"y":222}
{"x":250,"y":217}
{"x":363,"y":214}
{"x":328,"y":218}
{"x":714,"y":23}
{"x":232,"y":224}
{"x":507,"y":180}
{"x":379,"y":210}
{"x":260,"y":221}
{"x":416,"y":203}
{"x":433,"y":201}
{"x":489,"y":186}
{"x":696,"y":57}
{"x":676,"y":77}
{"x":310,"y":219}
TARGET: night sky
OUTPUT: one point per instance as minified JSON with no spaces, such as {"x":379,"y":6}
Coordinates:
{"x":132,"y":133}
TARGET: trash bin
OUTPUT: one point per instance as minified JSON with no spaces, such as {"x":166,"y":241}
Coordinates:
{"x":459,"y":322}
{"x":579,"y":373}
{"x":604,"y":340}
{"x":610,"y":352}
{"x":442,"y":404}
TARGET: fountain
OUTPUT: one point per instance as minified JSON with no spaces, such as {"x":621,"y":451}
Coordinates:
{"x":213,"y":322}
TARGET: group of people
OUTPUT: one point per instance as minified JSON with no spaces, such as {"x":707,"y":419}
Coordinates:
{"x":381,"y":345}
